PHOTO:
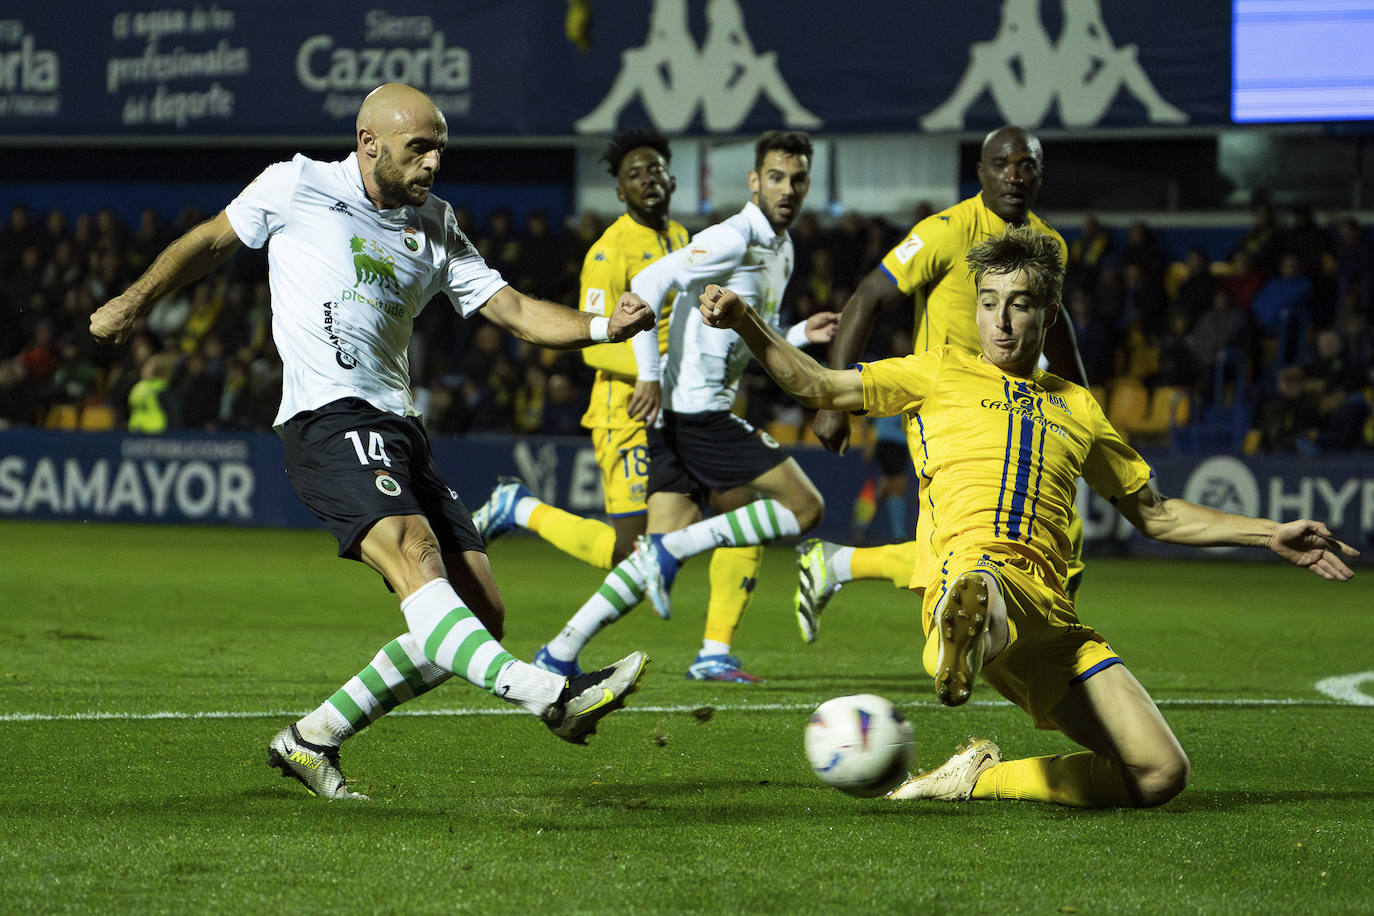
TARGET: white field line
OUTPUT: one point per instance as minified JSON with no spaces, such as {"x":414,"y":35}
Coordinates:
{"x":1236,"y":703}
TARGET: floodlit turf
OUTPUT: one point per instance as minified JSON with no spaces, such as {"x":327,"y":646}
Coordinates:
{"x":143,"y":671}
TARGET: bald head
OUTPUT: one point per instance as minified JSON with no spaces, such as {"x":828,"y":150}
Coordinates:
{"x":1011,"y":134}
{"x":394,"y":106}
{"x":401,"y":135}
{"x":1009,"y":169}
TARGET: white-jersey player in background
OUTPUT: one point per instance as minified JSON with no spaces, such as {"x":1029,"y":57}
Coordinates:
{"x":699,"y":451}
{"x":356,"y":248}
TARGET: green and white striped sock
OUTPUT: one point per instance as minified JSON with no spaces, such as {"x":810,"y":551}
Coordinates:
{"x":759,"y":522}
{"x":453,"y":638}
{"x":400,"y":672}
{"x":621,"y":590}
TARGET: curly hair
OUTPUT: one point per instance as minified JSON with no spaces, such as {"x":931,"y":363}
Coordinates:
{"x":1021,"y":248}
{"x":632,"y":139}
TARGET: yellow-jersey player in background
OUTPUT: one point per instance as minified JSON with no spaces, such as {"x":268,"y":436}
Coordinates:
{"x":999,"y":444}
{"x":639,"y":160}
{"x":928,"y":265}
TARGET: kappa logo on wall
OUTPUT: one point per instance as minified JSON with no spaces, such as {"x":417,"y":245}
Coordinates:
{"x":672,"y":76}
{"x":1025,"y":72}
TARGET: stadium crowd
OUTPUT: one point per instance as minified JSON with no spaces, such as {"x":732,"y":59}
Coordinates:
{"x":1278,"y":333}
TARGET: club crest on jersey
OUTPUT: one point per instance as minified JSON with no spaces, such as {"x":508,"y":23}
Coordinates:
{"x":369,"y":269}
{"x":594,"y":303}
{"x":910,"y":245}
{"x":412,"y":242}
{"x":387,"y":484}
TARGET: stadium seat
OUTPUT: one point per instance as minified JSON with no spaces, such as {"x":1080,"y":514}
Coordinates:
{"x":62,"y":416}
{"x":1127,"y":405}
{"x":97,"y":418}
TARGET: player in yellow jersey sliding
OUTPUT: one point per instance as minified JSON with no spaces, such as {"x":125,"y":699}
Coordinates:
{"x":927,"y":266}
{"x":638,"y":159}
{"x":998,"y":444}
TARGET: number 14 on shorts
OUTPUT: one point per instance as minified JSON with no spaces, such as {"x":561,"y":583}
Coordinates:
{"x":376,"y":449}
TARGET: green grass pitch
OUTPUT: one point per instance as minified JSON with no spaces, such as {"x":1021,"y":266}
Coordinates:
{"x":143,"y":670}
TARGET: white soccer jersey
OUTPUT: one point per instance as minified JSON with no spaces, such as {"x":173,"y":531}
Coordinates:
{"x":701,"y":369}
{"x":348,"y":280}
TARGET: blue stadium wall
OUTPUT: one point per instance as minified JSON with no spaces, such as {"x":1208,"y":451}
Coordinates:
{"x":237,"y":480}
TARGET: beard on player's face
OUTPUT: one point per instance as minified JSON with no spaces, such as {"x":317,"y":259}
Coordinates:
{"x":395,"y":188}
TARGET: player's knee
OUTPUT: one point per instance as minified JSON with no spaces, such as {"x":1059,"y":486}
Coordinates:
{"x":1162,"y":781}
{"x":422,"y":557}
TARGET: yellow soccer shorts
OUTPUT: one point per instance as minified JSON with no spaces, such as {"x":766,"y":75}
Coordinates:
{"x":623,"y":454}
{"x":1048,"y":650}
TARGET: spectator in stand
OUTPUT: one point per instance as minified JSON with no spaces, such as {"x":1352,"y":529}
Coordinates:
{"x":148,"y":241}
{"x":542,"y":269}
{"x":1088,"y":253}
{"x":1343,"y":406}
{"x":1178,"y":364}
{"x":149,"y":403}
{"x":1097,"y":331}
{"x":54,"y":230}
{"x":62,"y":271}
{"x":1143,"y":250}
{"x":1194,"y":296}
{"x":1314,"y":248}
{"x":17,"y":236}
{"x":1221,"y":339}
{"x":563,"y":407}
{"x":76,"y":378}
{"x":1244,"y":279}
{"x":847,"y":243}
{"x":197,"y":388}
{"x":500,"y":246}
{"x":1261,"y":242}
{"x":1287,"y":420}
{"x":24,"y":278}
{"x":1354,"y":267}
{"x":1143,"y":302}
{"x":1283,"y":310}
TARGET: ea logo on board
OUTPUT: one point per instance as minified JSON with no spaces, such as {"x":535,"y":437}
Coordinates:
{"x":1224,"y":483}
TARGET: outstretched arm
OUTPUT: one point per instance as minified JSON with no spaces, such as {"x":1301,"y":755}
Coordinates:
{"x":876,"y":294}
{"x":186,"y":260}
{"x":796,"y":373}
{"x":1302,"y":542}
{"x":558,"y":327}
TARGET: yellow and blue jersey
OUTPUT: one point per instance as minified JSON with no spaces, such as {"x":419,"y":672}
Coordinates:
{"x":624,"y":249}
{"x":930,"y":260}
{"x":997,"y":456}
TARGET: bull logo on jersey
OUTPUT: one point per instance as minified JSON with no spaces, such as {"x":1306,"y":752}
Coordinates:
{"x":371,"y":270}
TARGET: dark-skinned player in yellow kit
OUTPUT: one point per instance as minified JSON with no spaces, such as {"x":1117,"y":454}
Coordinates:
{"x":927,"y":267}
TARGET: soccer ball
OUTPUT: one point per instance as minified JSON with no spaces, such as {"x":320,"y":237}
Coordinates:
{"x":859,"y":744}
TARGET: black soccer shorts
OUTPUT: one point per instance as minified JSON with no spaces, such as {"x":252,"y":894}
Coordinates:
{"x":352,"y":465}
{"x":698,"y":453}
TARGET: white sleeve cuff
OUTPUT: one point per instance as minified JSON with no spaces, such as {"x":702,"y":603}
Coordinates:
{"x":796,"y":335}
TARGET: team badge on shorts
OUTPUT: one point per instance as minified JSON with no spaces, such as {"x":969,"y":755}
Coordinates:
{"x":387,"y":484}
{"x":768,"y":440}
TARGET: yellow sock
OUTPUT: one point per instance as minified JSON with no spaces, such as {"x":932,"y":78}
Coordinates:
{"x":1082,"y":780}
{"x":895,"y":562}
{"x":587,"y":539}
{"x":733,"y":573}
